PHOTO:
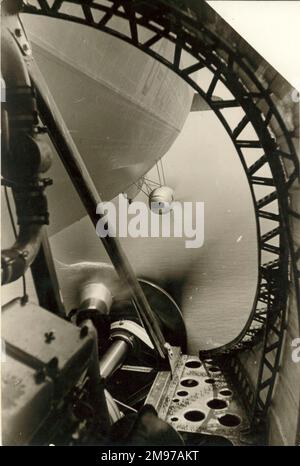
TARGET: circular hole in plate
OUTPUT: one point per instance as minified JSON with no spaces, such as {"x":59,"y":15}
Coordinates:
{"x":174,"y":419}
{"x":211,"y":381}
{"x":225,"y":392}
{"x":214,"y":369}
{"x":189,"y":383}
{"x":193,"y":364}
{"x":216,"y":403}
{"x":229,"y":420}
{"x":182,"y":393}
{"x":194,"y":415}
{"x":175,"y":400}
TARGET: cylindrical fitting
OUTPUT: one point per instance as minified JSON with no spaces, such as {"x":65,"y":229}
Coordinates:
{"x":113,"y":358}
{"x":96,"y":296}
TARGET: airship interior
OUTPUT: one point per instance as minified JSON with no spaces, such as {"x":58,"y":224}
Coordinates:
{"x":140,"y":101}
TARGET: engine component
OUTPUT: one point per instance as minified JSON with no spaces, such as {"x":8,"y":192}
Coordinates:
{"x":124,"y":336}
{"x":96,"y":296}
{"x":113,"y":357}
{"x":25,"y":154}
{"x":49,"y":364}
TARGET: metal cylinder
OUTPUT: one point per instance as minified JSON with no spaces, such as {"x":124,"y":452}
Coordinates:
{"x":113,"y":358}
{"x":96,"y":296}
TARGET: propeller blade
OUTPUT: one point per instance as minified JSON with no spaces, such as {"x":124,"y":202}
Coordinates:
{"x":74,"y":277}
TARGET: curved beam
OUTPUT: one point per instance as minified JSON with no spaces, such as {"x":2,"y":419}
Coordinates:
{"x":192,"y":27}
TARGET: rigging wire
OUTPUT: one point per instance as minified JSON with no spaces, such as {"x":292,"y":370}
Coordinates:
{"x":146,"y":194}
{"x":124,"y":405}
{"x":151,"y":181}
{"x":158,"y":172}
{"x":163,"y":172}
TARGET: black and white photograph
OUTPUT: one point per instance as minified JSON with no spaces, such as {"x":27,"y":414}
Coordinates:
{"x":150,"y":226}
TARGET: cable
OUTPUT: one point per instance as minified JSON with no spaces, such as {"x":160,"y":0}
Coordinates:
{"x":158,"y":173}
{"x":124,"y":405}
{"x":24,"y":298}
{"x":163,"y":172}
{"x":148,"y":187}
{"x":146,"y":194}
{"x":151,"y":181}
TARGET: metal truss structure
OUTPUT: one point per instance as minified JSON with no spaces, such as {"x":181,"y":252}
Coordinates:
{"x":181,"y":23}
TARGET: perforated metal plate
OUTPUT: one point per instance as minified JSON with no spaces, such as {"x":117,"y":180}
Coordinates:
{"x":198,"y":399}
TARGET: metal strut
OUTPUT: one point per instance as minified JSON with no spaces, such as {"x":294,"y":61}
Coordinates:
{"x":89,"y":196}
{"x":187,"y":25}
